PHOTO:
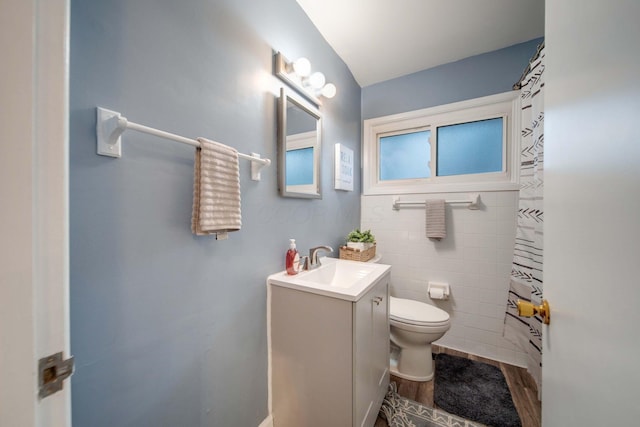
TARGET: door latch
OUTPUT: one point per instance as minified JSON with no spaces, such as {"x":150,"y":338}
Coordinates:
{"x":52,"y":371}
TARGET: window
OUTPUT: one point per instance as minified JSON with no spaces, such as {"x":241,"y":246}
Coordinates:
{"x":405,"y":155}
{"x":464,"y":146}
{"x":472,"y":147}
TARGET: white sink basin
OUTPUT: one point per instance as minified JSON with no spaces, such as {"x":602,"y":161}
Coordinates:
{"x":340,"y":274}
{"x":335,"y":277}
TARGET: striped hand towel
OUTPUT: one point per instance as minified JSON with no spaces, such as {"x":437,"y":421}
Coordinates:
{"x":216,"y":190}
{"x":435,"y":221}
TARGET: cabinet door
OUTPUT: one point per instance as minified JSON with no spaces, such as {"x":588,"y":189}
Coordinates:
{"x":380,"y":340}
{"x":371,"y":343}
{"x":311,"y":359}
{"x":362,"y":363}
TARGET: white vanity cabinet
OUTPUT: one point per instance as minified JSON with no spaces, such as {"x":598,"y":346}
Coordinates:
{"x":329,"y":356}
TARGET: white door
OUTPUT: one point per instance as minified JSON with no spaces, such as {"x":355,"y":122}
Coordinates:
{"x":591,"y":369}
{"x":34,"y":315}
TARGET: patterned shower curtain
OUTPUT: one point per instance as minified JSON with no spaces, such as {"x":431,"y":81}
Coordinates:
{"x":526,"y":270}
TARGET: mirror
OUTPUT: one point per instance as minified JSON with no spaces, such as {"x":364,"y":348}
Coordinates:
{"x":299,"y":147}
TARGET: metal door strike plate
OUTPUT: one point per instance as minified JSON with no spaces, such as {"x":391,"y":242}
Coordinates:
{"x":52,"y":371}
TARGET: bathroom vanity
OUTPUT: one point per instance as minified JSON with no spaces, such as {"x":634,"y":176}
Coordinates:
{"x":329,"y":344}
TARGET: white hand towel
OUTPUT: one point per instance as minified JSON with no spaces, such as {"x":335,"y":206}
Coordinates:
{"x":435,"y":220}
{"x":216,"y":190}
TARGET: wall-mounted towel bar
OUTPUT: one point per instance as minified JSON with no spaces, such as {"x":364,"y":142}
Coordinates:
{"x":111,"y":124}
{"x":473,"y":202}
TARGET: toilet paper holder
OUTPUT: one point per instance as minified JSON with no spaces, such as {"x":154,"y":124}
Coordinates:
{"x":438,"y":290}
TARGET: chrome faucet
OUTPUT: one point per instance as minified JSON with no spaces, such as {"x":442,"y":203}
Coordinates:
{"x":313,"y":262}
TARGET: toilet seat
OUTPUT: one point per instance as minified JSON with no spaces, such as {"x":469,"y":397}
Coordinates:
{"x":416,"y":313}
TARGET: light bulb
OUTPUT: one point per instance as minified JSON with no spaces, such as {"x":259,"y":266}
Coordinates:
{"x":302,"y":67}
{"x":329,"y":91}
{"x":316,"y":80}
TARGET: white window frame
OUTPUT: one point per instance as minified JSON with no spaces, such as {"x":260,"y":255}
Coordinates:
{"x":505,"y":105}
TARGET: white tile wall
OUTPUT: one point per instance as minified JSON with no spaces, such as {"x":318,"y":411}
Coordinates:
{"x":474,"y":258}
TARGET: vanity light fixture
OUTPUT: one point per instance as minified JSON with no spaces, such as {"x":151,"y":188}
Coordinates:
{"x":315,"y":80}
{"x":299,"y":75}
{"x":329,"y":90}
{"x":302,"y":67}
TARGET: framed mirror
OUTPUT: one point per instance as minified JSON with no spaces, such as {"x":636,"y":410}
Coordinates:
{"x":299,"y":147}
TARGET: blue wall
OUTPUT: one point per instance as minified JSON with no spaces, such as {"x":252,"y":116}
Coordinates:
{"x":169,"y":329}
{"x":473,"y":77}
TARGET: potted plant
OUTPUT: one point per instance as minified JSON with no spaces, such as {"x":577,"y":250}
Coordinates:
{"x":361,"y":240}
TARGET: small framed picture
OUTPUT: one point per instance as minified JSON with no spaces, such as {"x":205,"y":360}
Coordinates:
{"x":343,"y":168}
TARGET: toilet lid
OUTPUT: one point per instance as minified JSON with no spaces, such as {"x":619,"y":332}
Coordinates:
{"x":416,"y":312}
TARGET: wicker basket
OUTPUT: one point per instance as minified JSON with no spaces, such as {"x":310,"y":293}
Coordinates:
{"x":356,"y":254}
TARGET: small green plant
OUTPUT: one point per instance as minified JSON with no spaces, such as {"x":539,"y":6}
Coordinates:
{"x":361,"y":236}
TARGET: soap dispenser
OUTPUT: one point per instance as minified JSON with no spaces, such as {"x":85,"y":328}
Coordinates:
{"x":292,"y":260}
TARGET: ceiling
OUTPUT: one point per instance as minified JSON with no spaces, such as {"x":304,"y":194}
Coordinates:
{"x":383,"y":39}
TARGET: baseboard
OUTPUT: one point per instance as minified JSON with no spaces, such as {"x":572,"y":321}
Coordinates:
{"x":493,"y":357}
{"x":267,"y":422}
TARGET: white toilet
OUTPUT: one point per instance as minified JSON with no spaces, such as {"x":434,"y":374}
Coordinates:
{"x":414,"y":326}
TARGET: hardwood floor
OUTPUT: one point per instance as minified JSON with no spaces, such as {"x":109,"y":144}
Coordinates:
{"x":523,"y":389}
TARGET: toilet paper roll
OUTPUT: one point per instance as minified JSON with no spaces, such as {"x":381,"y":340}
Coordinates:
{"x":436,"y":293}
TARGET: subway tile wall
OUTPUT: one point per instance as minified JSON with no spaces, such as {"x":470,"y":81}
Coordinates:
{"x":474,"y":258}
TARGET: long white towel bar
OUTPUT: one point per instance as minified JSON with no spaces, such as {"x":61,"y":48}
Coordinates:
{"x":473,"y":202}
{"x":111,"y":125}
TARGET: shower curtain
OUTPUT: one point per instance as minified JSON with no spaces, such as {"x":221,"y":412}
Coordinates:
{"x":526,"y":270}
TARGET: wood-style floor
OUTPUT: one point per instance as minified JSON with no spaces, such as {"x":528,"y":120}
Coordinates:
{"x":522,"y":386}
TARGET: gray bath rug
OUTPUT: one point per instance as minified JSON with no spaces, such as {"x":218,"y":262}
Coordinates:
{"x":402,"y":412}
{"x":473,"y":390}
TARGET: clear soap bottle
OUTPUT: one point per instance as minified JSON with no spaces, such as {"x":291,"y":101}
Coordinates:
{"x":292,"y":260}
